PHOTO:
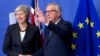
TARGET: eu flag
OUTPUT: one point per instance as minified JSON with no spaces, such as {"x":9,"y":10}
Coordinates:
{"x":86,"y":34}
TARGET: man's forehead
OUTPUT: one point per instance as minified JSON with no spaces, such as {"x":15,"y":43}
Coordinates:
{"x":51,"y":7}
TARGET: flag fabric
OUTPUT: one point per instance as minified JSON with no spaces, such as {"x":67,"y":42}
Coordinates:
{"x":34,"y":4}
{"x":32,"y":12}
{"x":86,"y":30}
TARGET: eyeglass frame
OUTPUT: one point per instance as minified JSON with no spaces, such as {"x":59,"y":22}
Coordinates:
{"x":50,"y":11}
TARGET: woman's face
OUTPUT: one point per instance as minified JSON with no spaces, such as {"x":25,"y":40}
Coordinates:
{"x":21,"y":17}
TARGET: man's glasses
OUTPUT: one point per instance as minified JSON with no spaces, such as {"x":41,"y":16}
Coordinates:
{"x":50,"y":11}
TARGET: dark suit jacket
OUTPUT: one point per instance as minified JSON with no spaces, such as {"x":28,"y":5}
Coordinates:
{"x":57,"y":42}
{"x":13,"y":46}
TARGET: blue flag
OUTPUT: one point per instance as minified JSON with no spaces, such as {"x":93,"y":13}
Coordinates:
{"x":86,"y":34}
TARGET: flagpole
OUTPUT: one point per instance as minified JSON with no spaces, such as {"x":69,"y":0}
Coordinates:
{"x":37,"y":6}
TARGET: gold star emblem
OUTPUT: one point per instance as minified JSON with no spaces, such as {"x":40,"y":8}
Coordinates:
{"x":74,"y":34}
{"x":73,"y":46}
{"x":91,"y":24}
{"x":98,"y":34}
{"x":99,"y":46}
{"x":87,"y":20}
{"x":80,"y":25}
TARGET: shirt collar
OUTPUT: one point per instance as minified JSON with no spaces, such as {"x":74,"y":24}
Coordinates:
{"x":57,"y":20}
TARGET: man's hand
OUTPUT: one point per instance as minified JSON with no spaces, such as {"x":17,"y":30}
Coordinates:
{"x":39,"y":16}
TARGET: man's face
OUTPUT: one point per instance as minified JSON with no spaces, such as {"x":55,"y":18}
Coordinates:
{"x":52,"y":13}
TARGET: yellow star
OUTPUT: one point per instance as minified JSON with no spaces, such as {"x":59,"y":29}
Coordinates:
{"x":80,"y":25}
{"x":98,"y":34}
{"x":98,"y":46}
{"x":91,"y":24}
{"x":73,"y":46}
{"x":87,"y":20}
{"x":74,"y":34}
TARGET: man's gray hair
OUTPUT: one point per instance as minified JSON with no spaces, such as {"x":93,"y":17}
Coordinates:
{"x":57,"y":6}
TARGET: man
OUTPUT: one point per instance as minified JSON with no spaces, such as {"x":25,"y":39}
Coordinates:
{"x":57,"y":31}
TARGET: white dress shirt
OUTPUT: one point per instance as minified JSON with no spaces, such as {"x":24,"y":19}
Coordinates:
{"x":22,"y":34}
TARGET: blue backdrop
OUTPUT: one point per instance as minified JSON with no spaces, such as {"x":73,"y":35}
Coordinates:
{"x":69,"y":8}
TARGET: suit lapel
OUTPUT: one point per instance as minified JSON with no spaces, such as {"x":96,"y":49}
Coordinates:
{"x":28,"y":34}
{"x":48,"y":34}
{"x":60,"y":22}
{"x":16,"y":34}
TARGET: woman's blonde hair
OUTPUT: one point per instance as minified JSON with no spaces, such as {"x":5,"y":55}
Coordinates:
{"x":23,"y":8}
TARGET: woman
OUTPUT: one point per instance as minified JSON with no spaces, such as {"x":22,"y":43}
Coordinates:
{"x":21,"y":39}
